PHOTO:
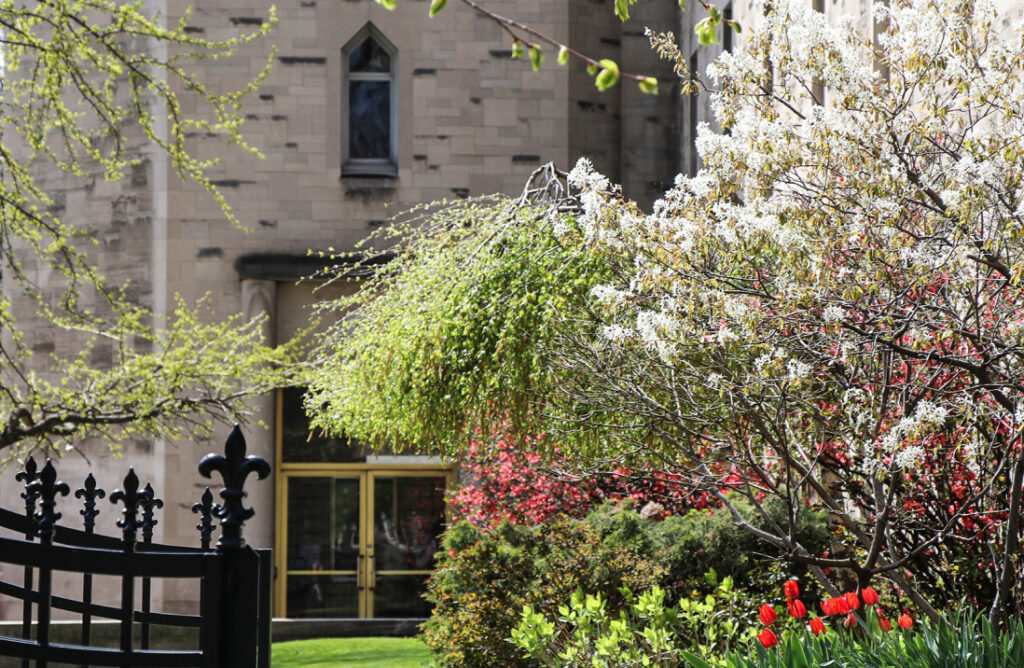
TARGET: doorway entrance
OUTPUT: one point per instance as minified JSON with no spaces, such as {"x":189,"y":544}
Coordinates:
{"x":356,"y":533}
{"x":359,"y":543}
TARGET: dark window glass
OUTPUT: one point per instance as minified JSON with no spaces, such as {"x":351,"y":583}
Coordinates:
{"x":369,"y":57}
{"x":409,"y":516}
{"x":299,"y":444}
{"x":400,"y":596}
{"x":309,"y":528}
{"x":369,"y":117}
{"x":323,"y":596}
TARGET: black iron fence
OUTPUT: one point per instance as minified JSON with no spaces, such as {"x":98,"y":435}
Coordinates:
{"x":233,"y":624}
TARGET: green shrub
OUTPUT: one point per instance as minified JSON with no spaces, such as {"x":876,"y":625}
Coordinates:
{"x":484,"y":580}
{"x":646,"y":631}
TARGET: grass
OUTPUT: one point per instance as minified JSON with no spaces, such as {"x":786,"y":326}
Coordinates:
{"x":351,"y":653}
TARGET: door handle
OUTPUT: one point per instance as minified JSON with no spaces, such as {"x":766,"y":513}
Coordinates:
{"x":360,"y":576}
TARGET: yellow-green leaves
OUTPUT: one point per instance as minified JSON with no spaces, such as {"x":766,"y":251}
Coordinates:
{"x":536,"y":56}
{"x":517,"y":49}
{"x":649,"y":86}
{"x":387,"y":4}
{"x":622,"y":8}
{"x":563,"y":55}
{"x":75,"y":82}
{"x":705,"y":30}
{"x":608,"y":76}
{"x":435,"y":7}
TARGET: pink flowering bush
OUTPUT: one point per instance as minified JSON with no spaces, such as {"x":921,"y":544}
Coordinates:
{"x":508,"y":480}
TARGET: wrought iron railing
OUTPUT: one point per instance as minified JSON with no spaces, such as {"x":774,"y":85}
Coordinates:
{"x":234,"y":580}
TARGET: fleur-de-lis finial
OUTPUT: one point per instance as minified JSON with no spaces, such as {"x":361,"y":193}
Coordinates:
{"x":90,"y":493}
{"x":206,"y":509}
{"x":234,"y":467}
{"x":132,"y":498}
{"x":149,"y":504}
{"x":28,"y":474}
{"x":46,"y":488}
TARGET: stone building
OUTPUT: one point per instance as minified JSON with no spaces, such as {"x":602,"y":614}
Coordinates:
{"x":366,"y":113}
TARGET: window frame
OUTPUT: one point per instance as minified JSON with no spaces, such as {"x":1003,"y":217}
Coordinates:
{"x":369,"y":166}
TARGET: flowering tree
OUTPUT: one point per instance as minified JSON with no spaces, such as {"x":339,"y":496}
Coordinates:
{"x":830,"y":306}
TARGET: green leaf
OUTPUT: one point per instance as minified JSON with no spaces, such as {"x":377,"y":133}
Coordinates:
{"x":682,"y":5}
{"x":795,"y":653}
{"x":694,"y":660}
{"x":536,"y":56}
{"x":606,"y":79}
{"x":563,"y":55}
{"x":735,"y":26}
{"x":517,"y":49}
{"x":649,"y":86}
{"x":622,"y":9}
{"x":387,"y":4}
{"x":609,"y":64}
{"x":705,"y":30}
{"x":716,"y":14}
{"x":435,"y":7}
{"x":591,"y":69}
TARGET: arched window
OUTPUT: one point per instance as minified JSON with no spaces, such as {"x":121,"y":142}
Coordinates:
{"x":369,"y":105}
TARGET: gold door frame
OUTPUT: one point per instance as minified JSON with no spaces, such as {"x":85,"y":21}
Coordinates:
{"x":366,"y":473}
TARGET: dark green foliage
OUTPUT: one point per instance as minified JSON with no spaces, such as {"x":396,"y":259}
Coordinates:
{"x":484,"y":580}
{"x":690,"y":545}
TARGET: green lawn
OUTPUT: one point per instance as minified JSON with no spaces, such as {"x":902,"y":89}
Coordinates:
{"x":350,"y":653}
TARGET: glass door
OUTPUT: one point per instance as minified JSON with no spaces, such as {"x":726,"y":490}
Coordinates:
{"x":359,"y":543}
{"x":407,"y":513}
{"x":323,"y":555}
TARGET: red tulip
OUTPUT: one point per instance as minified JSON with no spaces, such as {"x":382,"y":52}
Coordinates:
{"x":852,"y":600}
{"x":834,"y":606}
{"x":767,"y":614}
{"x":884,"y":624}
{"x":796,"y":607}
{"x":905,"y":621}
{"x":817,"y":626}
{"x":850,"y":621}
{"x":791,"y":588}
{"x":870,"y":596}
{"x":767,"y":638}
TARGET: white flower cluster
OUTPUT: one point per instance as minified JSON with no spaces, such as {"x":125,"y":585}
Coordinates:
{"x":608,"y":295}
{"x":833,"y":314}
{"x":926,"y":414}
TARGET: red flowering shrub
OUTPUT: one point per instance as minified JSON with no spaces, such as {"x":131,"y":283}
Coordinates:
{"x":507,"y":480}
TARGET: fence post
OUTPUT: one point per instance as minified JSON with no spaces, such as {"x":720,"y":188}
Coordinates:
{"x":28,"y":475}
{"x":241,"y":621}
{"x":132,"y":499}
{"x":47,"y":489}
{"x":89,"y":493}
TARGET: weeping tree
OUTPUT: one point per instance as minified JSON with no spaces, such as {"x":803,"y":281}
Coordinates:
{"x":89,"y":85}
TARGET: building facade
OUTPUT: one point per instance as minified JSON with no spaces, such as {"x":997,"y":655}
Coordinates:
{"x":366,"y":113}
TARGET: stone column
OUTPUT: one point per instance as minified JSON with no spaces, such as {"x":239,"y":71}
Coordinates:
{"x":259,"y":298}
